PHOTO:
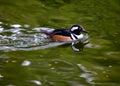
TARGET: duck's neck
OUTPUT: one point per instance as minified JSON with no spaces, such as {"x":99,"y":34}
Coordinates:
{"x":75,"y":37}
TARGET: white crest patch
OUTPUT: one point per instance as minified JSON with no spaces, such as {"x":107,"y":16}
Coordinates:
{"x":74,"y":28}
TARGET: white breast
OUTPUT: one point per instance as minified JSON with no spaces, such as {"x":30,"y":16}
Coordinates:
{"x":78,"y":36}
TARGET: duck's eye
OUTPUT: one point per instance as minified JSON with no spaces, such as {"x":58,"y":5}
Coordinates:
{"x":77,"y":32}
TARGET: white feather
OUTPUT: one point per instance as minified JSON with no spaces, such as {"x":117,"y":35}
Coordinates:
{"x":79,"y":36}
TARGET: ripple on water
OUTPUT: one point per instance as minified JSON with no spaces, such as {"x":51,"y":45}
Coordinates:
{"x":36,"y":82}
{"x":88,"y":75}
{"x":17,"y":37}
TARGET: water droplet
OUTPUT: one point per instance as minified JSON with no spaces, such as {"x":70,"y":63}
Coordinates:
{"x":13,"y":61}
{"x":110,"y":66}
{"x":26,"y":25}
{"x":1,"y":22}
{"x":49,"y":64}
{"x":1,"y":29}
{"x":52,"y":68}
{"x":15,"y":25}
{"x":56,"y":62}
{"x":1,"y":76}
{"x":26,"y":63}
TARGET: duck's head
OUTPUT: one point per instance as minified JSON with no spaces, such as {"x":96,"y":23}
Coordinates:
{"x":76,"y":33}
{"x":77,"y":29}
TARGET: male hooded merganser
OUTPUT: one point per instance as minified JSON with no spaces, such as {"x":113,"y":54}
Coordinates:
{"x":66,"y":35}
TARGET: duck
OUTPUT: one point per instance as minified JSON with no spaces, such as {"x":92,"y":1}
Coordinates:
{"x":66,"y":35}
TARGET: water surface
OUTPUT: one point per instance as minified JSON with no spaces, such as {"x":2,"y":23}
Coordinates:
{"x":29,"y":58}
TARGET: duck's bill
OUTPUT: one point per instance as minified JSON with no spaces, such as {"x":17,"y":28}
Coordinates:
{"x":85,"y":31}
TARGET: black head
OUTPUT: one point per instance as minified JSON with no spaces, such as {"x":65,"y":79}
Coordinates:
{"x":77,"y":29}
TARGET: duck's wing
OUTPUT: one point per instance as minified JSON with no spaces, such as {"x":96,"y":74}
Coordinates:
{"x":44,"y":30}
{"x":62,"y":32}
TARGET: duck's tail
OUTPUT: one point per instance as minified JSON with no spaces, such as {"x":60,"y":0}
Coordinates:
{"x":46,"y":31}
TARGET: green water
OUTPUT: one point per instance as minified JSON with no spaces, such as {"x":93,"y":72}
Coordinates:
{"x":96,"y":65}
